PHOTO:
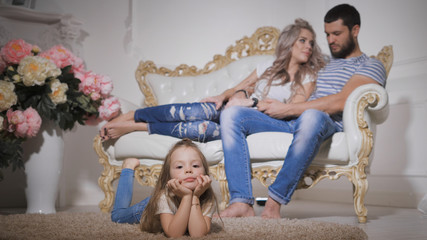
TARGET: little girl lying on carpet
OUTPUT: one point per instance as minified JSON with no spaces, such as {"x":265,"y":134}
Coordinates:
{"x":183,"y":200}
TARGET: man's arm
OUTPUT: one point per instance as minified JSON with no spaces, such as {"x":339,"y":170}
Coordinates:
{"x":330,"y":104}
{"x":246,"y":84}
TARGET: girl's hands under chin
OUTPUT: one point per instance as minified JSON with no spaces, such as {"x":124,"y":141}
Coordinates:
{"x":204,"y":182}
{"x":178,"y":189}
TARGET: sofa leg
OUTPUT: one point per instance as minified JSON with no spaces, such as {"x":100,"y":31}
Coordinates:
{"x":219,"y":173}
{"x":105,"y":182}
{"x":225,"y":197}
{"x":360,"y":187}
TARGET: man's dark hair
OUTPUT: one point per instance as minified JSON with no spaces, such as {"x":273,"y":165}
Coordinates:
{"x":346,"y":12}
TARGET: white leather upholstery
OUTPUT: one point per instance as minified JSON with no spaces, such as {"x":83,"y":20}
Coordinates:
{"x":192,"y":89}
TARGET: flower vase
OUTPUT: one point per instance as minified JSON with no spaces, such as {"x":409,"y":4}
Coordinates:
{"x":43,"y":159}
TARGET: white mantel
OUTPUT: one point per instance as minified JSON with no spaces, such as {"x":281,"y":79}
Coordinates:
{"x":42,"y":29}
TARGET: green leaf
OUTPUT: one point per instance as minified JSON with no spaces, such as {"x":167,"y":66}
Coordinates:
{"x":11,"y":152}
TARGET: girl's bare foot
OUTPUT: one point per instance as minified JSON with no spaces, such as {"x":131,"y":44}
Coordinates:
{"x":131,"y":163}
{"x":271,"y":209}
{"x":238,"y":209}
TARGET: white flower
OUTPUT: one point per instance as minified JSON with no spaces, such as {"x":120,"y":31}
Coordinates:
{"x":59,"y":89}
{"x":8,"y":96}
{"x":35,"y":70}
{"x":1,"y":123}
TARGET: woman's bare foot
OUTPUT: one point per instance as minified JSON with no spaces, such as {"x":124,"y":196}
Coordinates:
{"x":120,"y":126}
{"x":121,"y":118}
{"x":238,"y":209}
{"x":131,"y":163}
{"x":118,"y":129}
{"x":271,"y":209}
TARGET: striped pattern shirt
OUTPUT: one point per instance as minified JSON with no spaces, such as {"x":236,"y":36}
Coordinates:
{"x":335,"y":75}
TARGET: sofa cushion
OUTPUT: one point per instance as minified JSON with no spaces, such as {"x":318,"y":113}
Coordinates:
{"x":145,"y":146}
{"x":263,"y":147}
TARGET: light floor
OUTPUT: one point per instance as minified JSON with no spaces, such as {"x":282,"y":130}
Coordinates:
{"x":383,"y":222}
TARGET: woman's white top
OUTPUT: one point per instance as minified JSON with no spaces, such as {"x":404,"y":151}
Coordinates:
{"x":279,"y":92}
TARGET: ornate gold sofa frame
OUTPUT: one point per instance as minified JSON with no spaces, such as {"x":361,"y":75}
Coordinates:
{"x":366,"y":107}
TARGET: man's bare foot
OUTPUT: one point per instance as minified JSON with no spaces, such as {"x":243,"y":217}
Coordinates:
{"x":131,"y":163}
{"x":271,"y":209}
{"x":238,"y":209}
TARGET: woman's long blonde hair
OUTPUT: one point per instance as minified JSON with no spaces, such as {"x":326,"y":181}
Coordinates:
{"x":150,"y":222}
{"x":278,"y":70}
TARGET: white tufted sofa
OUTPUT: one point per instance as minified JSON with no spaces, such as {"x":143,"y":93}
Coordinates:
{"x":346,"y":153}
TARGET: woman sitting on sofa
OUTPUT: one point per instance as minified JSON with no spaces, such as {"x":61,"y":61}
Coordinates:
{"x":288,"y":78}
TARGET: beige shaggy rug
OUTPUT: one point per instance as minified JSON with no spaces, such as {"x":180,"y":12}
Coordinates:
{"x":90,"y":225}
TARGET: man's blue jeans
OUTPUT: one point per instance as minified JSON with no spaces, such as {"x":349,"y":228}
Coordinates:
{"x":196,"y":121}
{"x":309,"y":130}
{"x":122,"y":211}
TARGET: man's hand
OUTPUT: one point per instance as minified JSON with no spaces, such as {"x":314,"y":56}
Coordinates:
{"x":238,"y":99}
{"x":204,"y":181}
{"x":244,"y":102}
{"x":273,"y":108}
{"x":178,"y":189}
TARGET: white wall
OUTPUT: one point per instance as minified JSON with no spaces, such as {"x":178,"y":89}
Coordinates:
{"x":120,"y":33}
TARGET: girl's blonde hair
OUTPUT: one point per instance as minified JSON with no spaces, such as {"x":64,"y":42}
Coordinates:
{"x":278,"y":70}
{"x":150,"y":222}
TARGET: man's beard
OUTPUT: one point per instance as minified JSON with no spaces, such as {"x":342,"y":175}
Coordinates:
{"x":346,"y":49}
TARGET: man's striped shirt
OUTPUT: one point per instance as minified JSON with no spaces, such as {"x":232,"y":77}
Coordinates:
{"x":338,"y":71}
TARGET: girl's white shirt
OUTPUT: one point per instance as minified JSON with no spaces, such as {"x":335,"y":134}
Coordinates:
{"x":279,"y":92}
{"x":166,"y":205}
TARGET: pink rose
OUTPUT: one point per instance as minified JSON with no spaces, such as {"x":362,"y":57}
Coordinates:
{"x":106,"y":85}
{"x":3,"y":65}
{"x":34,"y":121}
{"x":24,"y":123}
{"x":109,"y":108}
{"x":16,"y":50}
{"x":63,"y":57}
{"x":89,"y":83}
{"x":17,"y":123}
{"x":78,"y":65}
{"x":95,"y":96}
{"x":15,"y":117}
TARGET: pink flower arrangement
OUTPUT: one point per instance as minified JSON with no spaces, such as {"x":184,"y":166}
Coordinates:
{"x":50,"y":85}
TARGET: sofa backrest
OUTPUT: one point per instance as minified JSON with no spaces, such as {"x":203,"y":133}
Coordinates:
{"x":194,"y":88}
